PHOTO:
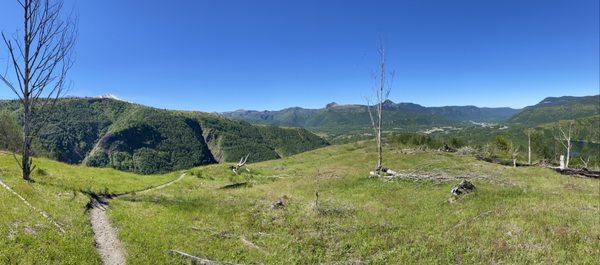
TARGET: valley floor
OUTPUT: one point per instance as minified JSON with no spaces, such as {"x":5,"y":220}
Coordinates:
{"x":329,"y":212}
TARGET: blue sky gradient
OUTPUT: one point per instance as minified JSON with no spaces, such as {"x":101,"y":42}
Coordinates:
{"x":226,"y":55}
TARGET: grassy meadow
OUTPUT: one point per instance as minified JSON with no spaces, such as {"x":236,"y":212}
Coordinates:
{"x":26,"y":237}
{"x":517,"y":215}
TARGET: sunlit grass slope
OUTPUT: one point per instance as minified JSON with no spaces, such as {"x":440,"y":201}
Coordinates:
{"x":26,"y":237}
{"x":517,"y":215}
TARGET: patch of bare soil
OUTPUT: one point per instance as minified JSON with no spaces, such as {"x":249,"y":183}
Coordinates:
{"x":106,"y":236}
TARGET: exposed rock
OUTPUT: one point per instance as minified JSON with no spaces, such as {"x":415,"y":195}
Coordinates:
{"x":280,"y":203}
{"x":449,"y":149}
{"x":464,"y":187}
{"x":383,"y":173}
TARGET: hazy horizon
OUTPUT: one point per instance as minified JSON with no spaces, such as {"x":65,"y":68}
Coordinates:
{"x":116,"y":97}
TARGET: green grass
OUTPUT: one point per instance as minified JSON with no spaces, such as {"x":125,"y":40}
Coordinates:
{"x":516,"y":216}
{"x":28,"y":238}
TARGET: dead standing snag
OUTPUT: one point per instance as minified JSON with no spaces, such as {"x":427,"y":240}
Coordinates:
{"x":40,"y":59}
{"x":236,"y":168}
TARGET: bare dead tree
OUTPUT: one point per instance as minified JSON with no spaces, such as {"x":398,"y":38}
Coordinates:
{"x":40,"y":56}
{"x":236,"y":168}
{"x":585,"y":162}
{"x":529,"y":132}
{"x":565,"y":140}
{"x":382,"y":92}
{"x":514,"y":153}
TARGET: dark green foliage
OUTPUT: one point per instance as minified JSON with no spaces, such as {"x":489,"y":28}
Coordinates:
{"x":424,"y":140}
{"x":75,"y":125}
{"x":555,"y":109}
{"x":289,"y":141}
{"x":121,"y":161}
{"x":230,"y":140}
{"x":148,"y":161}
{"x":10,"y":132}
{"x":502,"y":144}
{"x":125,"y":136}
{"x":164,"y":131}
{"x":455,"y":143}
{"x":545,"y":142}
{"x":97,"y":159}
{"x":415,"y":139}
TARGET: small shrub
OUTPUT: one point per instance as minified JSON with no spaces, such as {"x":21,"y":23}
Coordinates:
{"x":197,"y":173}
{"x":502,"y":144}
{"x":40,"y":172}
{"x":455,"y":143}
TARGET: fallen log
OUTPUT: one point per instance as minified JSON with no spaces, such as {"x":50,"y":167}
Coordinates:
{"x":251,"y":245}
{"x":501,"y":162}
{"x":388,"y":174}
{"x":582,"y":172}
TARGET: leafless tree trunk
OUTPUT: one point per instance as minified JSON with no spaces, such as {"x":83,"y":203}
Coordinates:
{"x":514,"y":153}
{"x":585,"y":162}
{"x":382,"y":93}
{"x":40,"y":60}
{"x":565,"y":140}
{"x":529,"y":132}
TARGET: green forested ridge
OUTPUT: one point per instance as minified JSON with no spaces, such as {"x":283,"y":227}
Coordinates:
{"x":289,"y":141}
{"x":553,"y":109}
{"x":107,"y":132}
{"x":10,"y":131}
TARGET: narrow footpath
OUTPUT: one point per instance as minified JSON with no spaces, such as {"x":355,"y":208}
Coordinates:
{"x":106,"y":236}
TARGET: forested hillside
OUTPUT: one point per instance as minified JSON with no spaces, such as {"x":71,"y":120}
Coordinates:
{"x":107,"y":132}
{"x":544,"y":121}
{"x":553,"y":109}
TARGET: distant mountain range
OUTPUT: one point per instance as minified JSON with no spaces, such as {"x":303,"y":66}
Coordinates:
{"x":338,"y":120}
{"x":405,"y":115}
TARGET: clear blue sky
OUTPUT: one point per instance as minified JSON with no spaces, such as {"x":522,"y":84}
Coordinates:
{"x":225,"y":55}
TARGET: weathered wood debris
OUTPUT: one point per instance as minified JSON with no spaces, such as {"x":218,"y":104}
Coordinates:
{"x":236,"y":168}
{"x":501,"y":162}
{"x":389,"y":174}
{"x":195,"y":260}
{"x":560,"y":169}
{"x":581,"y":172}
{"x":448,"y":149}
